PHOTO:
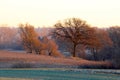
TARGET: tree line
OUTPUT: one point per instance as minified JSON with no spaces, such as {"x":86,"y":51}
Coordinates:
{"x":73,"y":35}
{"x":35,"y":44}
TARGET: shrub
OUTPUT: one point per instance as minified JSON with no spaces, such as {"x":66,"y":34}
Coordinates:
{"x":22,"y":65}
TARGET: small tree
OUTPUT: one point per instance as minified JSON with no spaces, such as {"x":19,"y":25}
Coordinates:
{"x":75,"y":31}
{"x":51,"y":47}
{"x":30,"y":39}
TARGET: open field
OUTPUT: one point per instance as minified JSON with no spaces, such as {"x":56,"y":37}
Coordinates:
{"x":42,"y":67}
{"x":58,"y":74}
{"x":9,"y":58}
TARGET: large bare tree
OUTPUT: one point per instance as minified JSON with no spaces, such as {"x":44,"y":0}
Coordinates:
{"x":77,"y":32}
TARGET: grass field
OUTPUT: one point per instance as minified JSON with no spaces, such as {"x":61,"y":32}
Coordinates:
{"x":57,"y":74}
{"x":11,"y":58}
{"x":8,"y":59}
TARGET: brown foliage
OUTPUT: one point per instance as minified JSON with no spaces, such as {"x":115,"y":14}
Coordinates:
{"x":30,"y":39}
{"x":77,"y":32}
{"x":51,"y":47}
{"x":104,"y":40}
{"x":32,"y":43}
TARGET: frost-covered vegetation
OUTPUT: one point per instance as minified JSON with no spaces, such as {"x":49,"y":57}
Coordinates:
{"x":72,"y":37}
{"x":58,"y":74}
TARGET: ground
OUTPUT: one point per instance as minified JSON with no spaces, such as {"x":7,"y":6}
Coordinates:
{"x":10,"y":58}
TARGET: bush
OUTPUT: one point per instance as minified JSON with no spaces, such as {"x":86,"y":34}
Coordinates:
{"x":22,"y":65}
{"x":95,"y":67}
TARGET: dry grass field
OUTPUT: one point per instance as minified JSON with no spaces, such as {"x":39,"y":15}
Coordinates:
{"x":13,"y":57}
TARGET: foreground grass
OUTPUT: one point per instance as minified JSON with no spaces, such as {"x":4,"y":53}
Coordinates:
{"x":59,"y":74}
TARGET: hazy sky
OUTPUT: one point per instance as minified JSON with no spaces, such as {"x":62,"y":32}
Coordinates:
{"x":101,"y":13}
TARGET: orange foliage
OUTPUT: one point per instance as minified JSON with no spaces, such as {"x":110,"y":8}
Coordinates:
{"x":77,"y":32}
{"x":30,"y":39}
{"x":51,"y":47}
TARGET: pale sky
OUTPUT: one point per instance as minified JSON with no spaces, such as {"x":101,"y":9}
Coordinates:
{"x":101,"y":13}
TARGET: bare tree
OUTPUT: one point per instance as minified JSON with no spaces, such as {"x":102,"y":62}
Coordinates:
{"x":114,"y":33}
{"x":77,"y":32}
{"x":7,"y":36}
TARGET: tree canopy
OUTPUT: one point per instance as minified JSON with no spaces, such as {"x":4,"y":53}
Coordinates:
{"x":76,"y":31}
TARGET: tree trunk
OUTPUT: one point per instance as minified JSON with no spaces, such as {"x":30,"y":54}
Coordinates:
{"x":74,"y":50}
{"x":94,"y":54}
{"x":50,"y":53}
